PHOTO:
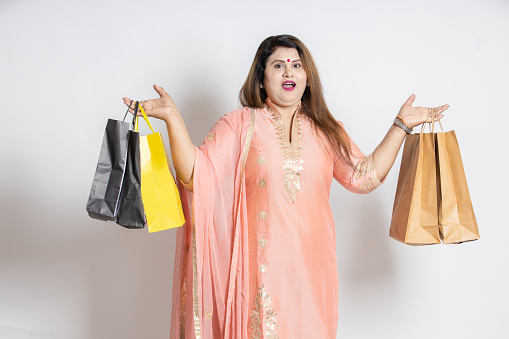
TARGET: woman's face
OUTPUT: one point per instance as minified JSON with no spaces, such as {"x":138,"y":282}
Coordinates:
{"x":284,"y":77}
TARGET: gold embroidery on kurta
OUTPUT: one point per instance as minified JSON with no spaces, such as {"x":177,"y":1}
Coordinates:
{"x":367,"y":167}
{"x":196,"y":310}
{"x":262,"y":242}
{"x":208,"y":315}
{"x":262,"y":215}
{"x":369,"y":185}
{"x":261,"y":160}
{"x":263,"y":268}
{"x":183,"y":298}
{"x":211,"y":136}
{"x":263,"y":303}
{"x":362,"y":168}
{"x":270,"y":322}
{"x":256,"y":325}
{"x":292,"y":152}
{"x":262,"y":183}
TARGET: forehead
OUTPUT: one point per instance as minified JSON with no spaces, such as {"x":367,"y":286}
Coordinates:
{"x":284,"y":53}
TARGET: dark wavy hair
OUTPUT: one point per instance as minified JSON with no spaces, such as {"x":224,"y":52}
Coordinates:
{"x":313,"y":102}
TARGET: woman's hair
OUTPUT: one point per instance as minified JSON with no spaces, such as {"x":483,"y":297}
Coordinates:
{"x":313,"y":102}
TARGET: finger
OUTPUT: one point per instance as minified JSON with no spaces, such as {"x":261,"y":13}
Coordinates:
{"x":437,"y":117}
{"x":442,"y":108}
{"x":128,"y":102}
{"x":160,"y":90}
{"x":438,"y":111}
{"x":429,"y":115}
{"x":146,"y":105}
{"x":142,"y":105}
{"x":409,"y":101}
{"x":132,"y":107}
{"x":138,"y":111}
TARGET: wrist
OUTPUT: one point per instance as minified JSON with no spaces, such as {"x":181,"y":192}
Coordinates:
{"x":170,"y":117}
{"x":399,"y":122}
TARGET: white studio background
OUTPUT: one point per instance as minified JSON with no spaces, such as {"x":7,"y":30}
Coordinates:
{"x":65,"y":66}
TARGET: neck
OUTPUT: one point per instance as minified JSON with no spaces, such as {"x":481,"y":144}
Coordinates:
{"x":285,"y":111}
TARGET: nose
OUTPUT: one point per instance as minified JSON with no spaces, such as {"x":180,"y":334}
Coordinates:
{"x":288,"y":71}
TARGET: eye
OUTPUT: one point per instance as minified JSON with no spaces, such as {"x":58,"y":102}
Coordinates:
{"x":297,"y":65}
{"x":278,"y":66}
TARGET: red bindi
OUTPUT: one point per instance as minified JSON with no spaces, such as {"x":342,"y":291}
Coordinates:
{"x":288,"y":60}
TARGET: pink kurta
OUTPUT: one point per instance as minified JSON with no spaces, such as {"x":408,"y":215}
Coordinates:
{"x":265,"y":265}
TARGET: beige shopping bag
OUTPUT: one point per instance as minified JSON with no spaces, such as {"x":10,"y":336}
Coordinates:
{"x":455,"y":211}
{"x":415,"y":211}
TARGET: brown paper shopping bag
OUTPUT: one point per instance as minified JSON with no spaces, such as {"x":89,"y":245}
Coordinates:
{"x":415,"y":211}
{"x":455,"y":212}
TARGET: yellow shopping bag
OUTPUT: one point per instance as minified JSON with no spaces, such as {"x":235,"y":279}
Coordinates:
{"x":159,"y":193}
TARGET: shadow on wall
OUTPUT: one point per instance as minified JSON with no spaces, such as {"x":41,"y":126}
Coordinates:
{"x":129,"y":285}
{"x":200,"y":113}
{"x":18,"y":333}
{"x":363,"y":243}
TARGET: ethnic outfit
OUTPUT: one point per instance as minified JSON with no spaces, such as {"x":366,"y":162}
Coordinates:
{"x":258,"y":257}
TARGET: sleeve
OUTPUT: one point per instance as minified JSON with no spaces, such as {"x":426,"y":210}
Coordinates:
{"x":361,"y":177}
{"x":220,"y":149}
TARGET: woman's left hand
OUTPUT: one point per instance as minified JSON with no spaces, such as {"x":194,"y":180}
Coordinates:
{"x":414,"y":116}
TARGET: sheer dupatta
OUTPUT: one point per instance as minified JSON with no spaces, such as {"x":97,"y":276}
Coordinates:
{"x":211,"y":283}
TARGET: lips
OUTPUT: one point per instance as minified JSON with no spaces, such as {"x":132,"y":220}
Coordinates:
{"x":289,"y":85}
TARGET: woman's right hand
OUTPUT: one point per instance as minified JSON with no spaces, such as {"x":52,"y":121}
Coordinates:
{"x":160,"y":108}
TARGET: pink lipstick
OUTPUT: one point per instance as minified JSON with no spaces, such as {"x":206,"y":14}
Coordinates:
{"x":289,"y":85}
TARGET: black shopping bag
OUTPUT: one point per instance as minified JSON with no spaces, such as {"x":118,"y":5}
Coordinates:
{"x":130,"y":212}
{"x":105,"y":192}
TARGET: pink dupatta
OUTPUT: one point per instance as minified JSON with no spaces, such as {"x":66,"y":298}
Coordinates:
{"x":211,"y":283}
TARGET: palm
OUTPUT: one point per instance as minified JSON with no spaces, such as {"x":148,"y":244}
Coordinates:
{"x":157,"y":108}
{"x":414,"y":116}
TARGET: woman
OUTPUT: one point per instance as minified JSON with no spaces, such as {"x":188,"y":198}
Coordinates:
{"x":258,"y":257}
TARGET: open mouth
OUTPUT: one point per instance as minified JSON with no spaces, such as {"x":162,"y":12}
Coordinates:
{"x":289,"y":85}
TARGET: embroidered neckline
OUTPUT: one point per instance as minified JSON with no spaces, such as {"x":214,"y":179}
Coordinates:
{"x":292,"y":151}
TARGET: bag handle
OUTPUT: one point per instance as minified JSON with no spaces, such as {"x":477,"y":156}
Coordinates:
{"x":134,"y":123}
{"x":432,"y":123}
{"x":144,"y":117}
{"x":128,"y":108}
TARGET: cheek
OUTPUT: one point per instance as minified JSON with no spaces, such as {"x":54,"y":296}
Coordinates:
{"x":271,"y":81}
{"x":303,"y":77}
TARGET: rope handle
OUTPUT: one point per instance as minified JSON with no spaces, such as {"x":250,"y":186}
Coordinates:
{"x":432,"y":123}
{"x":144,"y":117}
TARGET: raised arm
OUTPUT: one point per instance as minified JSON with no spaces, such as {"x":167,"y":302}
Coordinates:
{"x":182,"y":148}
{"x":386,"y":152}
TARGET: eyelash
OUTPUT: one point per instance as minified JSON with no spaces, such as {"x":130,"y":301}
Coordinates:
{"x":294,"y":65}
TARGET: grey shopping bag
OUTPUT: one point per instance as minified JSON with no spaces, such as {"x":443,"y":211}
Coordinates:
{"x":104,"y":198}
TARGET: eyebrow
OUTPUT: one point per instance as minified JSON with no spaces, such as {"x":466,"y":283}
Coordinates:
{"x":284,"y":61}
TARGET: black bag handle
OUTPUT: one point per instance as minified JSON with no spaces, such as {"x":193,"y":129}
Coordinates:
{"x":134,"y":114}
